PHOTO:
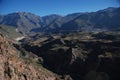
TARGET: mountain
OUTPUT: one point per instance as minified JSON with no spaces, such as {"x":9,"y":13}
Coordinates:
{"x":48,"y":23}
{"x":102,"y":20}
{"x":58,"y":22}
{"x":55,"y":21}
{"x":22,"y":20}
{"x":107,"y":19}
{"x":1,"y":18}
{"x":50,"y":19}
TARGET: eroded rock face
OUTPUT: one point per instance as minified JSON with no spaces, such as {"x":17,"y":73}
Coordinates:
{"x":12,"y":67}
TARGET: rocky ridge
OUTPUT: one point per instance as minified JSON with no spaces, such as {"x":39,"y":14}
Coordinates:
{"x":13,"y":67}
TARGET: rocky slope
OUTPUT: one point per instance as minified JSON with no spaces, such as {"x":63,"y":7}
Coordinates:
{"x":22,"y":21}
{"x":15,"y":67}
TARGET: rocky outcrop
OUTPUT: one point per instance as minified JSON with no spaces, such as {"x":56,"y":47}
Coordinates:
{"x":13,"y":67}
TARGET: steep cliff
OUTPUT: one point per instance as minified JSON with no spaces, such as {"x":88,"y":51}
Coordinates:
{"x":14,"y":67}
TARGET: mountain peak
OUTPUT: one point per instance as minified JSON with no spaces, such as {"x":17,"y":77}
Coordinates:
{"x":24,"y":21}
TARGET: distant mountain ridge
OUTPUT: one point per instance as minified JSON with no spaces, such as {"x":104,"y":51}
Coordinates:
{"x":106,"y":19}
{"x":25,"y":22}
{"x":56,"y":23}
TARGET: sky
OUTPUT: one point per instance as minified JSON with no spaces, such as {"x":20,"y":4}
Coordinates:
{"x":62,"y":7}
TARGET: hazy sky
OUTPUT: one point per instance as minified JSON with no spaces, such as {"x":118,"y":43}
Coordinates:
{"x":46,"y":7}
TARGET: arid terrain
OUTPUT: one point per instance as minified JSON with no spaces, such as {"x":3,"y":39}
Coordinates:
{"x":78,"y":46}
{"x":71,"y":56}
{"x":82,"y":55}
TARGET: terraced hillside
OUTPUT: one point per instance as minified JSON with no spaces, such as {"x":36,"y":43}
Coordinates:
{"x":82,"y":55}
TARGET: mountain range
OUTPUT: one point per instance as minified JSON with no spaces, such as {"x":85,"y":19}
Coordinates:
{"x":30,"y":49}
{"x":106,"y":19}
